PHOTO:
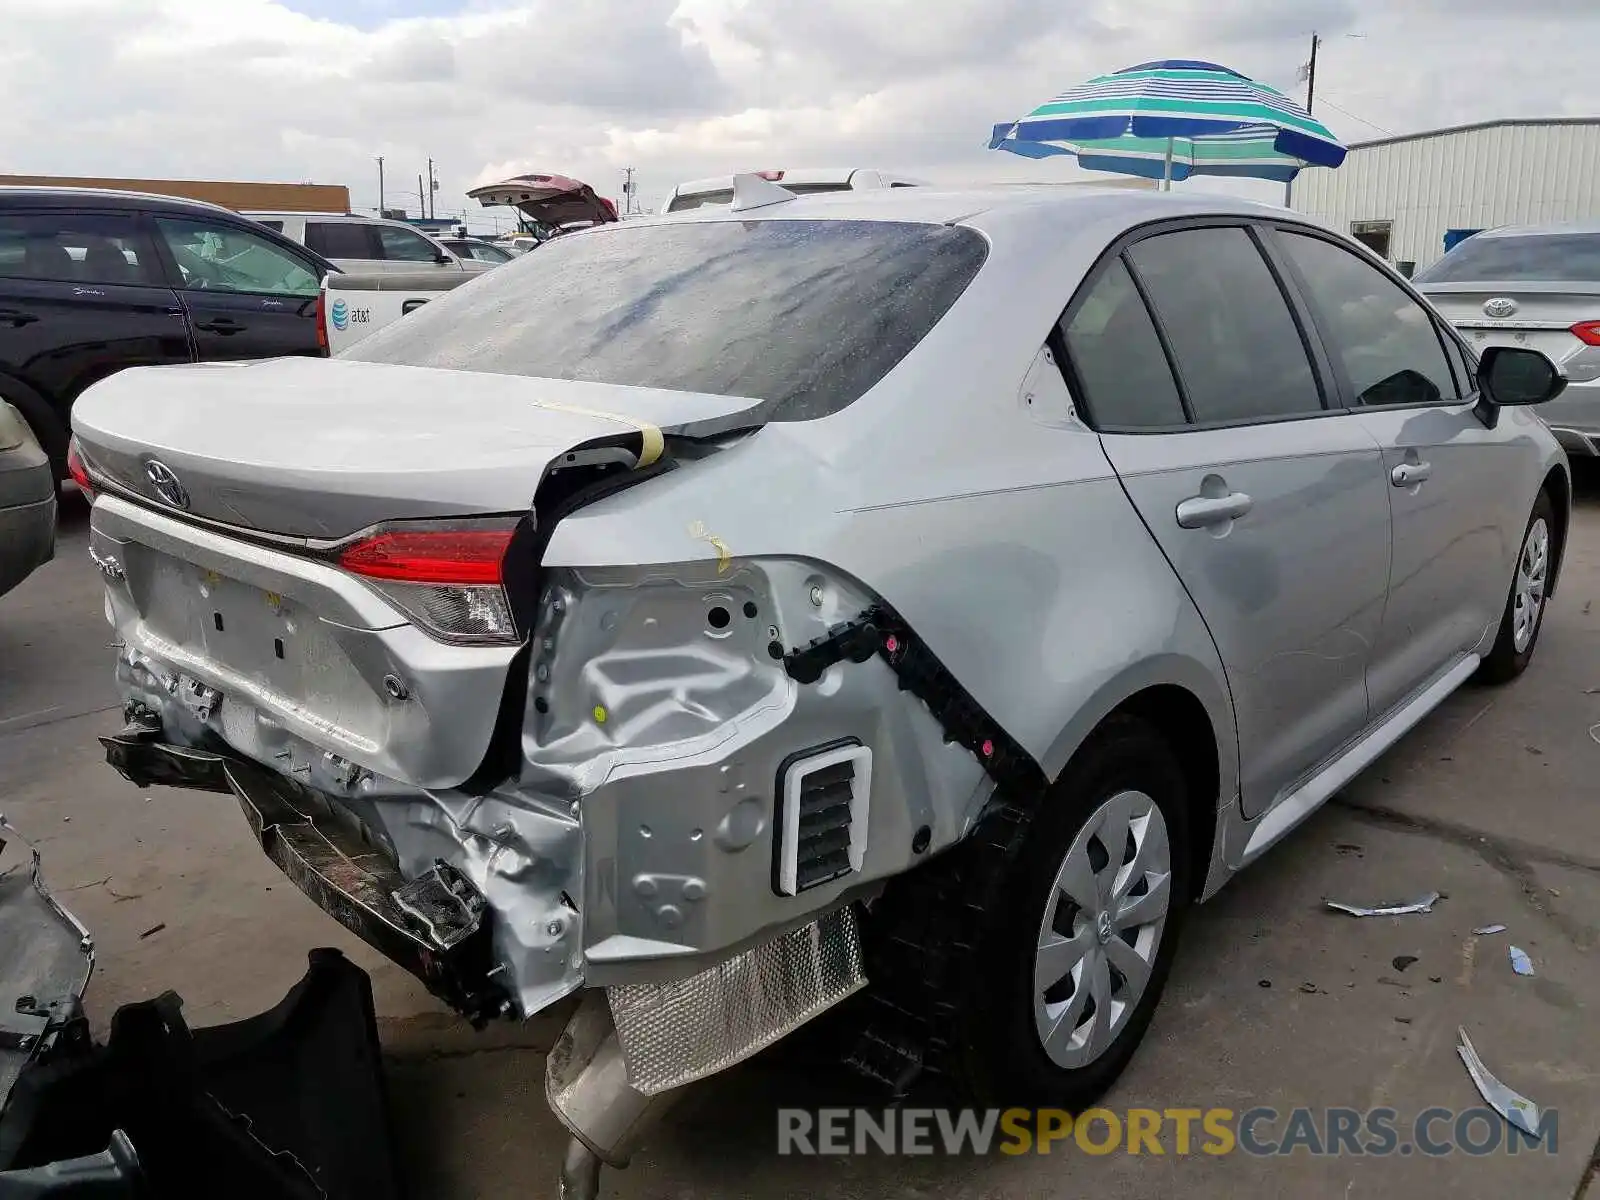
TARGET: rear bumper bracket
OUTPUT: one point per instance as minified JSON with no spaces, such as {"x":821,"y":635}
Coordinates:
{"x":436,"y":926}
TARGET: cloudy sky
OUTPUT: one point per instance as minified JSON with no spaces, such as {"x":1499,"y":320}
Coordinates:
{"x":314,"y":89}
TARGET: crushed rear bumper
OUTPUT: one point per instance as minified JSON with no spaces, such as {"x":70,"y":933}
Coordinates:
{"x":436,"y":926}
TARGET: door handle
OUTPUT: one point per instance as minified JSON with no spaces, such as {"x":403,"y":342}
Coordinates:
{"x":1407,"y":474}
{"x":1197,"y":512}
{"x":221,"y":325}
{"x":15,"y":319}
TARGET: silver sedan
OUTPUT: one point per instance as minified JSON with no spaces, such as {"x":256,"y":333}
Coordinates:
{"x":1535,"y":286}
{"x":932,"y":593}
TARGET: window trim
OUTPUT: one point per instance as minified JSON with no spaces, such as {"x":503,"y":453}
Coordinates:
{"x":159,"y":277}
{"x":304,"y":255}
{"x":1310,"y":337}
{"x":1346,"y":389}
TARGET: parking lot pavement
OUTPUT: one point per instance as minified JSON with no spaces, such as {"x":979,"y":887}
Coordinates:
{"x":1274,"y":1001}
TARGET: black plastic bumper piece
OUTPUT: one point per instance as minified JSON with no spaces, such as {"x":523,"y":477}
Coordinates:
{"x":436,"y":926}
{"x":287,"y":1105}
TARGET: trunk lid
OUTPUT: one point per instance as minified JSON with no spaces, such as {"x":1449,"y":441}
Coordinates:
{"x":548,"y":200}
{"x":1534,"y":315}
{"x":321,"y":449}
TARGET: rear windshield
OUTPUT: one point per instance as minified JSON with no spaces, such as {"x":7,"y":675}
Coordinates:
{"x":1550,"y":257}
{"x":806,"y":315}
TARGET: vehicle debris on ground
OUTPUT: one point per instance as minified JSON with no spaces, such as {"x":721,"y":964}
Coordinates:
{"x":1399,"y":909}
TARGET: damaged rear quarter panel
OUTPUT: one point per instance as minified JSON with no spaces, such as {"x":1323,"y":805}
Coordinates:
{"x":656,"y":703}
{"x":1010,"y":549}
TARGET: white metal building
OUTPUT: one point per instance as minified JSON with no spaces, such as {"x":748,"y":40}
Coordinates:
{"x":1407,"y":197}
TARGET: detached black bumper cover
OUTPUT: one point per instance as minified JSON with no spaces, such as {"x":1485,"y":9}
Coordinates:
{"x":288,"y":1105}
{"x":436,"y":926}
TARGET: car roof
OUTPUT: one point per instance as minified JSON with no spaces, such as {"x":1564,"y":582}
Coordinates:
{"x":1546,"y":230}
{"x":989,"y":207}
{"x":111,"y":198}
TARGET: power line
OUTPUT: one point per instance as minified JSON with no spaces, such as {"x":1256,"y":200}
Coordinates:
{"x":1353,"y":117}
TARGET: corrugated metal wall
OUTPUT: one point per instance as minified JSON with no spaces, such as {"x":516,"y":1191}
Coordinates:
{"x":1469,"y":179}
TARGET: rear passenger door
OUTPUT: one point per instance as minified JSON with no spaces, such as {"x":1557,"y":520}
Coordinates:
{"x":82,"y":295}
{"x":247,"y":296}
{"x":1458,"y":491}
{"x":1212,"y":404}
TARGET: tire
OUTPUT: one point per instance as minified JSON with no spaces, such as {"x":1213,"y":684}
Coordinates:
{"x":1518,"y":637}
{"x":1003,"y":1061}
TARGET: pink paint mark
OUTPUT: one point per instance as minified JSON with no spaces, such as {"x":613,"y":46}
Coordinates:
{"x":988,"y":749}
{"x":892,"y":644}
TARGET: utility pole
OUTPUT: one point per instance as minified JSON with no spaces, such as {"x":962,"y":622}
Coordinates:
{"x":433,"y":186}
{"x":1310,"y":70}
{"x":380,"y":185}
{"x":422,"y":202}
{"x":627,"y":192}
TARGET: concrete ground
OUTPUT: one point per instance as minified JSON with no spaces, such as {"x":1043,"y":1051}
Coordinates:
{"x":1494,"y":801}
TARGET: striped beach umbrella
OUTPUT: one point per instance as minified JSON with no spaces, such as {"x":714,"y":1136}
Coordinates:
{"x":1173,"y":119}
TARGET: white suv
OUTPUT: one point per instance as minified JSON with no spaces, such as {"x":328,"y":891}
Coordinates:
{"x":366,"y":244}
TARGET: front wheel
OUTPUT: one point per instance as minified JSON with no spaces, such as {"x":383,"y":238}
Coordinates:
{"x":1079,"y":948}
{"x":1525,"y":604}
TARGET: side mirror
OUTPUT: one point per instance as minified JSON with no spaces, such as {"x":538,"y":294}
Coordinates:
{"x":1511,"y":377}
{"x":444,"y":260}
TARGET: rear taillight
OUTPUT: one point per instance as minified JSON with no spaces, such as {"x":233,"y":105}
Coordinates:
{"x":446,"y":578}
{"x":770,"y":176}
{"x":1587,"y":332}
{"x":79,"y":473}
{"x":322,"y":320}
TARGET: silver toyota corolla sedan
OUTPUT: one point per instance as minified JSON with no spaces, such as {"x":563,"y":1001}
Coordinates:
{"x":931,"y":594}
{"x":1536,"y":286}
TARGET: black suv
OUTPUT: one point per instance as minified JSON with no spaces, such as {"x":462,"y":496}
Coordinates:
{"x":94,"y":281}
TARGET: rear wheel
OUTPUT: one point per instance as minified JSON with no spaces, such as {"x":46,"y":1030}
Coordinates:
{"x":1078,"y":950}
{"x":1525,"y":604}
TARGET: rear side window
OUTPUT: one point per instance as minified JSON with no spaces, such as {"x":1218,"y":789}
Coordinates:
{"x":1387,"y":342}
{"x":402,"y":245}
{"x":1238,"y":350}
{"x":1550,"y":257}
{"x":806,"y":315}
{"x":62,"y":247}
{"x":341,"y":239}
{"x":1117,"y":357}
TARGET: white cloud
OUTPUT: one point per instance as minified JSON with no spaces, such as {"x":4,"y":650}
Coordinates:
{"x":685,"y":88}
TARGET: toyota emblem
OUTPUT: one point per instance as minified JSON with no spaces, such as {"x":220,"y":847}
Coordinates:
{"x":1499,"y":306}
{"x":166,"y":484}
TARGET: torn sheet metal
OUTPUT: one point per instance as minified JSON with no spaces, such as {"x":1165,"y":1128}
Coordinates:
{"x":1520,"y":962}
{"x":1515,"y":1108}
{"x":1425,"y":904}
{"x":1486,"y":930}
